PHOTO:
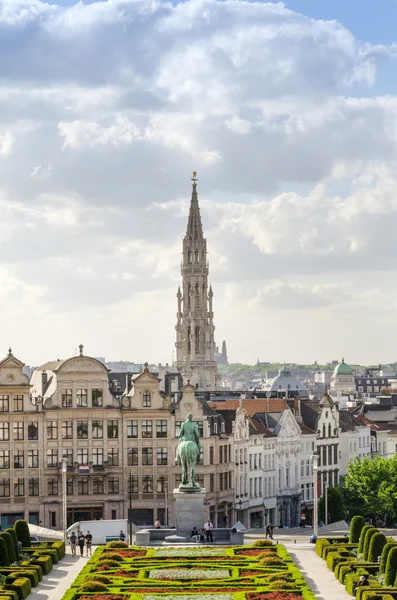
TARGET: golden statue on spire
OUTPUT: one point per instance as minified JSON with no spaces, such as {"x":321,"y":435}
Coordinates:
{"x":194,"y":177}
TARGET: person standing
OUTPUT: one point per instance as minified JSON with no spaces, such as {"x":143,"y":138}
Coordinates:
{"x":81,"y":541}
{"x":122,"y":536}
{"x":208,"y":527}
{"x":88,"y":542}
{"x":73,"y":542}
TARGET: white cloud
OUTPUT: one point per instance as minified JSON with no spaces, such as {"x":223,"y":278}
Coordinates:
{"x":89,"y":134}
{"x":41,"y":173}
{"x":6,"y":144}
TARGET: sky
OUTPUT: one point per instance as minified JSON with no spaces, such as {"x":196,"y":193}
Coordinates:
{"x":287,"y":110}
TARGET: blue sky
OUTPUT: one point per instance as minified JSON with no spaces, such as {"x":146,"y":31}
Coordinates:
{"x":105,"y":110}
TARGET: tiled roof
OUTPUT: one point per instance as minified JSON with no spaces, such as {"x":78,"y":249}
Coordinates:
{"x":373,"y":426}
{"x":260,"y":405}
{"x":348,"y":422}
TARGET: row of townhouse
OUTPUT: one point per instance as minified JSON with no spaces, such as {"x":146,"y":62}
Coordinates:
{"x":256,"y":464}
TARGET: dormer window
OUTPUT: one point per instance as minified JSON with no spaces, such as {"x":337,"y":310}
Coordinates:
{"x":223,"y":428}
{"x":147,"y":399}
{"x":216,"y":428}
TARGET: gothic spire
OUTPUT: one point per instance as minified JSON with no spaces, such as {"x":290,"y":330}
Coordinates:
{"x":194,"y":226}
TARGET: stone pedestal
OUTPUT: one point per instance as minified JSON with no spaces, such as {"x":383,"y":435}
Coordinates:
{"x":189,"y":509}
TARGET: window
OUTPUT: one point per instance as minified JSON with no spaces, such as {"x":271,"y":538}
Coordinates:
{"x":52,"y":457}
{"x":162,"y":456}
{"x":335,"y":454}
{"x":18,"y":430}
{"x":200,"y":428}
{"x":250,"y":459}
{"x":113,"y":429}
{"x":17,"y":403}
{"x":147,"y":484}
{"x":97,"y":430}
{"x":82,"y":486}
{"x":222,"y":426}
{"x":132,"y":457}
{"x":147,"y":399}
{"x":132,"y":429}
{"x":82,"y":430}
{"x":97,"y":397}
{"x":359,"y":442}
{"x":68,"y":454}
{"x":97,"y":485}
{"x":220,"y":454}
{"x":19,"y":487}
{"x":330,"y":455}
{"x":66,"y":398}
{"x":53,"y":489}
{"x":133,"y":484}
{"x":67,"y":430}
{"x":211,"y":455}
{"x":18,"y":459}
{"x":287,"y":477}
{"x":113,"y":485}
{"x":147,"y":456}
{"x":147,"y":429}
{"x":33,"y":486}
{"x":4,"y":403}
{"x":33,"y":460}
{"x":69,"y":487}
{"x":221,"y":481}
{"x":215,"y":428}
{"x":4,"y":488}
{"x":162,"y":484}
{"x":113,"y":457}
{"x":369,"y":388}
{"x":82,"y":398}
{"x":161,"y":429}
{"x":302,"y":468}
{"x":4,"y":459}
{"x":82,"y":456}
{"x":4,"y":431}
{"x":52,"y":430}
{"x":211,"y":482}
{"x":33,"y":431}
{"x":307,"y":467}
{"x":97,"y":457}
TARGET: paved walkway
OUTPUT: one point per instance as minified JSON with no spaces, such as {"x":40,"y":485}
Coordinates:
{"x":320,"y":579}
{"x":55,"y":584}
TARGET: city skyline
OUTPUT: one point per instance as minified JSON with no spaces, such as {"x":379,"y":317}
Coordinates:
{"x":286,"y":110}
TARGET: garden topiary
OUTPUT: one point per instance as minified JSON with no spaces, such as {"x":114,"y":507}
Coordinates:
{"x":391,"y":567}
{"x":367,"y":541}
{"x":385,"y":554}
{"x":362,"y":538}
{"x":93,"y":586}
{"x":108,"y":564}
{"x":376,"y":545}
{"x":116,"y":545}
{"x":281,"y":584}
{"x":4,"y":558}
{"x":12,"y":533}
{"x":280,"y":575}
{"x":96,"y":577}
{"x":268,"y":561}
{"x":22,"y":530}
{"x":111,"y":556}
{"x":356,"y":525}
{"x":10,"y":546}
{"x":262,"y":543}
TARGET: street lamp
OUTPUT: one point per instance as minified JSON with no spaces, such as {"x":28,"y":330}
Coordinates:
{"x":239,"y":510}
{"x":326,"y":501}
{"x":315,"y":492}
{"x":64,"y":468}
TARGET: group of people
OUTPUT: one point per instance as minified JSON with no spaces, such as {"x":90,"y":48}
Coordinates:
{"x":82,"y":541}
{"x":204,"y":533}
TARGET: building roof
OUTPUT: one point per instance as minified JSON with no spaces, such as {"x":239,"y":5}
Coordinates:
{"x":348,"y":422}
{"x":259,"y":405}
{"x":373,"y":426}
{"x":285,"y":381}
{"x":343,"y":369}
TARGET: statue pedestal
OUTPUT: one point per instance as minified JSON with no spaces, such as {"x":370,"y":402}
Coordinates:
{"x":189,"y":509}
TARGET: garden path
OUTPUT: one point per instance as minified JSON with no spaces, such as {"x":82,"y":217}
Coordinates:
{"x":316,"y":573}
{"x":55,"y":584}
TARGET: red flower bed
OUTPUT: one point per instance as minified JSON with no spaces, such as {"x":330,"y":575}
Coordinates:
{"x":185,"y":590}
{"x":251,"y":573}
{"x":124,"y":553}
{"x":103,"y":597}
{"x":124,"y":573}
{"x":272,"y":596}
{"x":255,"y":552}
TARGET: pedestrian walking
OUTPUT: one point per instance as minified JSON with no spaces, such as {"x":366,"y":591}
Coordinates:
{"x":88,"y":542}
{"x":81,"y":542}
{"x":73,"y":543}
{"x":208,"y":527}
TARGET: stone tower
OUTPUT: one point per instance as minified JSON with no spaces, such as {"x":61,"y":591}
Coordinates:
{"x":195,"y":344}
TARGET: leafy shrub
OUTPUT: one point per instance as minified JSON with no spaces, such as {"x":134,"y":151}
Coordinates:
{"x":262,"y":543}
{"x":111,"y":556}
{"x":4,"y":558}
{"x":362,"y":538}
{"x":93,"y":586}
{"x":12,"y":533}
{"x":356,"y":525}
{"x":60,"y":547}
{"x":385,"y":554}
{"x":96,"y":577}
{"x":109,"y":564}
{"x":391,"y":567}
{"x":368,"y":536}
{"x":116,"y":545}
{"x":103,"y":597}
{"x":10,"y":546}
{"x":280,"y":575}
{"x":376,"y":545}
{"x":22,"y":530}
{"x":22,"y":587}
{"x":281,"y":584}
{"x":269,"y":561}
{"x":269,"y":596}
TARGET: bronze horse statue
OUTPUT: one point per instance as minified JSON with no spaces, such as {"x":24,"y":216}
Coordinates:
{"x":188,"y":451}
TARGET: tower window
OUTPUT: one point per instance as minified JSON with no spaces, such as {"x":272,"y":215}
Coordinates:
{"x":189,"y":257}
{"x":147,"y":399}
{"x":197,"y":340}
{"x":196,"y":256}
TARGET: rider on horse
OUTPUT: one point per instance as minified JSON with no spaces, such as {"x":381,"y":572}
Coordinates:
{"x":188,"y":452}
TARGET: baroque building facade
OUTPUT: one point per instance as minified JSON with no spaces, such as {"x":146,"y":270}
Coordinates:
{"x":195,"y":345}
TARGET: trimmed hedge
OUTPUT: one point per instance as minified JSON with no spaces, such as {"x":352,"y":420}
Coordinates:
{"x":391,"y":567}
{"x":22,"y":530}
{"x":12,"y":533}
{"x":45,"y":563}
{"x":10,"y":546}
{"x":385,"y":554}
{"x":356,"y":525}
{"x":367,"y":542}
{"x":376,"y":545}
{"x":4,"y":558}
{"x":21,"y":585}
{"x":60,"y":547}
{"x":29,"y":565}
{"x":362,"y":538}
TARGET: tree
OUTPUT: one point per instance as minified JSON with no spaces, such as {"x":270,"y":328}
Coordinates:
{"x":336,"y":506}
{"x":375,"y":483}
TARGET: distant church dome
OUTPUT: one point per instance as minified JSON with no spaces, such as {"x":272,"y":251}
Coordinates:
{"x":343,"y":369}
{"x":287,"y":382}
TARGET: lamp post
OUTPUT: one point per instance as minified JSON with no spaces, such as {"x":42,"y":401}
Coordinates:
{"x":166,"y":505}
{"x":315,"y":494}
{"x":239,"y":510}
{"x":326,"y":501}
{"x":64,"y":468}
{"x":130,"y":509}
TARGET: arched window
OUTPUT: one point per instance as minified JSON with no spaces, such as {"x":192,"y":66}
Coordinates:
{"x":189,"y":292}
{"x":196,"y":256}
{"x":189,"y":256}
{"x":329,"y":430}
{"x":197,"y":340}
{"x":147,"y":399}
{"x":189,"y":335}
{"x":324,"y":430}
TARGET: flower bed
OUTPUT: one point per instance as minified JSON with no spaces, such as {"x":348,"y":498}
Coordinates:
{"x":234,"y":573}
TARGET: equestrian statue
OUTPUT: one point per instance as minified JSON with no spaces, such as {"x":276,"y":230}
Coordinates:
{"x":188,"y":452}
